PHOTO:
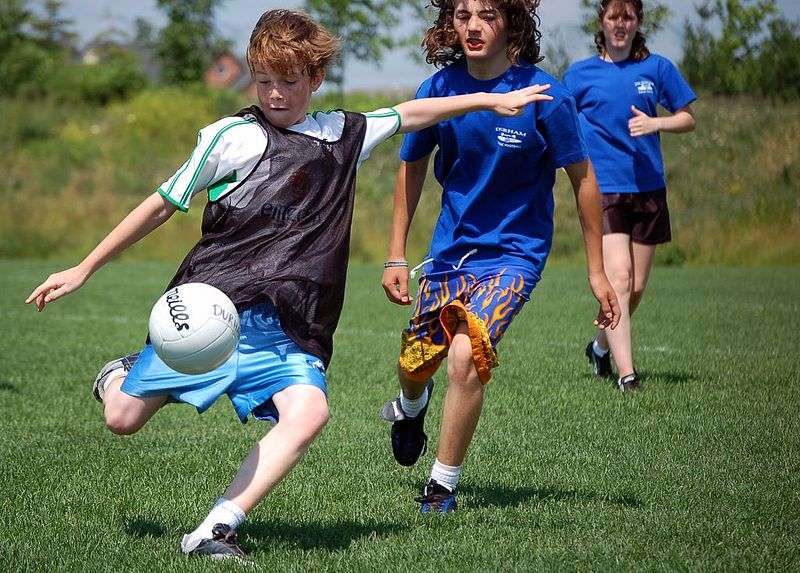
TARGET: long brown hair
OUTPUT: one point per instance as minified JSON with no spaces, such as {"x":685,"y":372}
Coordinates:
{"x":522,"y":26}
{"x":639,"y":49}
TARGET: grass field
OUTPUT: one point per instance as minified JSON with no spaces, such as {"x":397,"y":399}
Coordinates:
{"x":701,"y":471}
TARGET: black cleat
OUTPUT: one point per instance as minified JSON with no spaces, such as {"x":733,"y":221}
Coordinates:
{"x":436,"y":498}
{"x":601,"y":365}
{"x":125,"y":363}
{"x":629,"y":383}
{"x":409,"y":440}
{"x":222,"y":545}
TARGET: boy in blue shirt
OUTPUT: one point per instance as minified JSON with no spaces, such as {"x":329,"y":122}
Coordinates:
{"x":618,"y":93}
{"x":275,"y":239}
{"x":494,"y":232}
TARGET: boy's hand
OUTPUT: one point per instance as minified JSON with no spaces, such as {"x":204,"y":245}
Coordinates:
{"x":512,"y":103}
{"x":642,"y":124}
{"x":608,"y":316}
{"x":56,"y":286}
{"x":395,"y":283}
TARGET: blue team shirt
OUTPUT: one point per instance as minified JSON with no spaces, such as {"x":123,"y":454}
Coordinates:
{"x":497,"y":173}
{"x":604,"y":92}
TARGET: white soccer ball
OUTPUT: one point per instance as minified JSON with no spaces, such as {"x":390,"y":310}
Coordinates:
{"x":194,"y":328}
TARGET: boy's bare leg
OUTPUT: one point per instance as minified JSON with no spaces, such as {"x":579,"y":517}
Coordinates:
{"x":303,"y":413}
{"x":125,"y":414}
{"x":462,"y":403}
{"x":617,"y":259}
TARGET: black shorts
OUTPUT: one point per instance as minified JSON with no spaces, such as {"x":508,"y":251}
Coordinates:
{"x":643,"y":216}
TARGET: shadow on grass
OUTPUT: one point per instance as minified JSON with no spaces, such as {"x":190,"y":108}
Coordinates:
{"x":140,"y":527}
{"x":8,"y":387}
{"x":501,"y":496}
{"x":666,"y":377}
{"x":329,"y":536}
{"x":647,"y":376}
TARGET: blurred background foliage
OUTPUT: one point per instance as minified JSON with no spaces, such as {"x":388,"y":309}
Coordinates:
{"x":87,"y":133}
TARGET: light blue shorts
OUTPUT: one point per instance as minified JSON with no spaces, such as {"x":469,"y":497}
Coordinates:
{"x":265,"y":362}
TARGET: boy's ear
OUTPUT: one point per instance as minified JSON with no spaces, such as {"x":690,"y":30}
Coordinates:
{"x":317,"y":79}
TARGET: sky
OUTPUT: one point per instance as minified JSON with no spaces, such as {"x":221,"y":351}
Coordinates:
{"x":236,"y":18}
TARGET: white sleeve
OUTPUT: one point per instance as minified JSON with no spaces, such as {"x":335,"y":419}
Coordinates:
{"x":225,"y":150}
{"x":381,"y":125}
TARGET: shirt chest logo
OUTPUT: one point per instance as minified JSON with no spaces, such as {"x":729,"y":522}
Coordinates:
{"x":645,"y":87}
{"x":510,"y":137}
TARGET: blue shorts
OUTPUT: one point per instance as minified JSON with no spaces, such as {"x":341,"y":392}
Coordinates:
{"x":265,"y":362}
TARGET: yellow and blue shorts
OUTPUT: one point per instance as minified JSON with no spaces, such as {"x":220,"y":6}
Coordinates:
{"x":486,"y":300}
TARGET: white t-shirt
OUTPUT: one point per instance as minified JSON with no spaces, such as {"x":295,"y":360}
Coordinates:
{"x":228,"y":150}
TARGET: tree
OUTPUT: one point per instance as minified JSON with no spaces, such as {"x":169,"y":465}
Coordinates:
{"x":367,"y":28}
{"x":755,"y":50}
{"x":556,"y":54}
{"x":29,"y":45}
{"x":52,"y":29}
{"x":187,"y":44}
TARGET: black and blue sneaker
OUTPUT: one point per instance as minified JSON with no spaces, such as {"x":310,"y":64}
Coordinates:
{"x":629,"y":383}
{"x":436,"y":498}
{"x":409,"y":440}
{"x":600,"y":363}
{"x":125,"y":364}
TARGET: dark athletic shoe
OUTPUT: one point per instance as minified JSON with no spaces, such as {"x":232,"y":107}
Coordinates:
{"x":125,"y":363}
{"x":222,"y":545}
{"x":409,"y":440}
{"x":629,"y":383}
{"x":601,"y":365}
{"x":436,"y":498}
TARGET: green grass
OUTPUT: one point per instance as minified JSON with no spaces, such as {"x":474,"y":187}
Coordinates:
{"x":71,"y":172}
{"x":698,"y":472}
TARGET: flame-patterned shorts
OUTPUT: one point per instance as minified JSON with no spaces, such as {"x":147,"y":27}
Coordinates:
{"x":486,"y":301}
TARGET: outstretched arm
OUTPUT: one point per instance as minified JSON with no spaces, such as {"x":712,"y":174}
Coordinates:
{"x":149,"y":215}
{"x":682,"y":121}
{"x":407,"y":191}
{"x":421,"y":113}
{"x":587,"y":196}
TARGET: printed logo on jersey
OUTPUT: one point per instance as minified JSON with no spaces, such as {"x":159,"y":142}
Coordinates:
{"x":510,"y":137}
{"x":645,"y":87}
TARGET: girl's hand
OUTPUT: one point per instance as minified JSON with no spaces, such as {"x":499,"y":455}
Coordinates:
{"x":609,"y":313}
{"x":512,"y":103}
{"x":56,"y":286}
{"x":642,"y":124}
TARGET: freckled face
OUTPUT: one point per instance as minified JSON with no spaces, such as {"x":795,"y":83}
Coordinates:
{"x":285,"y":98}
{"x":481,"y":29}
{"x":620,"y":25}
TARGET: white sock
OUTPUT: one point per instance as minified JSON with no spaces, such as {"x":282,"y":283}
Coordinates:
{"x":599,"y":350}
{"x":412,"y":408}
{"x":224,"y":511}
{"x":114,"y":375}
{"x":446,"y":475}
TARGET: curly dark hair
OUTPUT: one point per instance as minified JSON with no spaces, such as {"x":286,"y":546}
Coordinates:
{"x":639,"y":49}
{"x":522,"y":24}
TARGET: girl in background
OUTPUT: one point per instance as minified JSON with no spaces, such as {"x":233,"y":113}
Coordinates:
{"x":617,"y":93}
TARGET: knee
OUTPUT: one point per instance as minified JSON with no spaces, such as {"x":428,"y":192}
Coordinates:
{"x":121,"y":423}
{"x":308,"y":421}
{"x":621,"y":280}
{"x":461,"y":366}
